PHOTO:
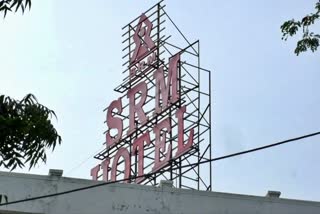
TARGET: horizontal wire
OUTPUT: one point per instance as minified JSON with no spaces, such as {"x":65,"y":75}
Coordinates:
{"x":154,"y":173}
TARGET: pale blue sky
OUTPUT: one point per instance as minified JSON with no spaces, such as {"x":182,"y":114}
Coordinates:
{"x":68,"y":53}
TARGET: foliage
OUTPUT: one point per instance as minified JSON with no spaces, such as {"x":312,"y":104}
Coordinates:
{"x":25,"y":132}
{"x":309,"y":40}
{"x":9,"y":5}
{"x":25,"y":126}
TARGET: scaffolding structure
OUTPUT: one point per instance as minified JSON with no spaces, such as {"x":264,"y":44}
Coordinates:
{"x":194,"y":86}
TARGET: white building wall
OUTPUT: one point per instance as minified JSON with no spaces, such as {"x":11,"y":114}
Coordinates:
{"x":130,"y":198}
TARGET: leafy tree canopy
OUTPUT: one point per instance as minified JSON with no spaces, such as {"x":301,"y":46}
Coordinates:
{"x":25,"y":132}
{"x":309,"y":40}
{"x":14,"y":5}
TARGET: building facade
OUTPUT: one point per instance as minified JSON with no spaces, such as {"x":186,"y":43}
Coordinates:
{"x":133,"y":198}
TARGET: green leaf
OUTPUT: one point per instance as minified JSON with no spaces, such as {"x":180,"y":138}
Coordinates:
{"x":28,"y":132}
{"x":309,"y":40}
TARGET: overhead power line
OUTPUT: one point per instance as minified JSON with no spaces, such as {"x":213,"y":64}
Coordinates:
{"x":83,"y":162}
{"x":150,"y":174}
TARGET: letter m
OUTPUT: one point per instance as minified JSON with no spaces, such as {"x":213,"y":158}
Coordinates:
{"x":163,"y":88}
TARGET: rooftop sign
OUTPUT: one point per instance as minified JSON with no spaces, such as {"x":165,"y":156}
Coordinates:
{"x":162,"y":119}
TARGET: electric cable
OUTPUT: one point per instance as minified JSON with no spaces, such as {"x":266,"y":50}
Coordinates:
{"x":81,"y":163}
{"x":150,"y":174}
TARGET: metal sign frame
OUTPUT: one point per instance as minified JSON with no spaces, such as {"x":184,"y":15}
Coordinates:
{"x":146,"y":50}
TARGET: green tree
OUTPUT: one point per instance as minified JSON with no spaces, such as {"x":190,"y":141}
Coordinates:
{"x":10,"y":5}
{"x":309,"y":40}
{"x":26,"y":130}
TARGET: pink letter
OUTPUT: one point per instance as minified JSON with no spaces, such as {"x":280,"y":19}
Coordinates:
{"x":94,"y":172}
{"x":160,"y":144}
{"x":142,"y":39}
{"x":114,"y":122}
{"x":164,"y":88}
{"x":137,"y":108}
{"x":127,"y":164}
{"x":138,"y":148}
{"x":105,"y":169}
{"x":152,"y":58}
{"x":183,"y":148}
